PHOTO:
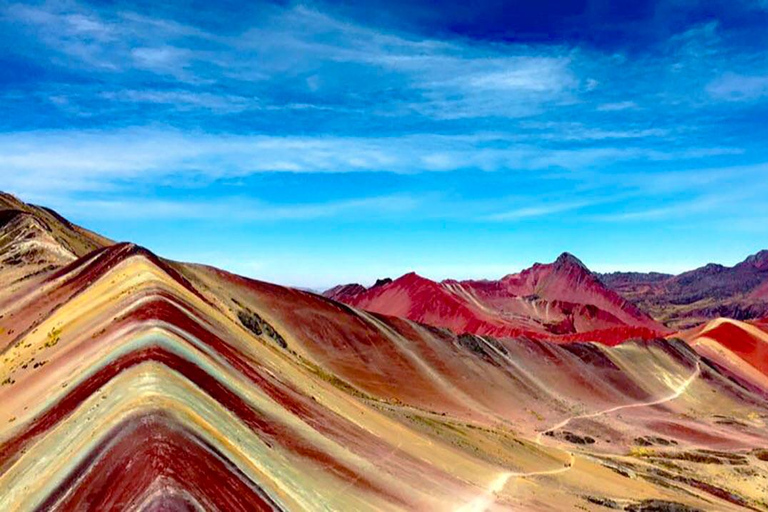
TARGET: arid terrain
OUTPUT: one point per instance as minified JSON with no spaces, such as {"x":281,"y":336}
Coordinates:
{"x":131,"y":382}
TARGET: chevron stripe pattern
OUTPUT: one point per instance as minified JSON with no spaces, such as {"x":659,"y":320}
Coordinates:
{"x":134,"y":383}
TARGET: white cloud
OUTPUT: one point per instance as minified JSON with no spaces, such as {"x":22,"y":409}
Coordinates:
{"x":439,"y":79}
{"x":540,"y":210}
{"x":160,"y":59}
{"x":81,"y":161}
{"x":618,"y":106}
{"x":675,"y":209}
{"x":183,"y":99}
{"x":525,"y":74}
{"x":733,"y":87}
{"x":229,"y":208}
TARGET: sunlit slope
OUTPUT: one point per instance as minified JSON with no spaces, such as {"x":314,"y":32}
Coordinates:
{"x":739,"y":346}
{"x":134,"y":343}
{"x":132,"y":383}
{"x":639,"y":391}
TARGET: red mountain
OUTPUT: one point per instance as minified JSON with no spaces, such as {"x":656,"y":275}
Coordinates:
{"x":558,"y":299}
{"x":344,"y":291}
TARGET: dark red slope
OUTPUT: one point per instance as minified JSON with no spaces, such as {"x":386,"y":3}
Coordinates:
{"x":344,"y":292}
{"x":569,"y":280}
{"x":547,"y":300}
{"x":417,"y":298}
{"x":150,"y":449}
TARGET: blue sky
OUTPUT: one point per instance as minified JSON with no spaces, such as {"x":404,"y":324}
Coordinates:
{"x":325,"y":142}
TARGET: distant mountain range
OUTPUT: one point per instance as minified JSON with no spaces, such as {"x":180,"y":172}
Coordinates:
{"x":691,"y":298}
{"x":565,"y":300}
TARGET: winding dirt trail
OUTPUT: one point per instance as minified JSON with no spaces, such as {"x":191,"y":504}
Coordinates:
{"x":488,"y":498}
{"x":682,"y":388}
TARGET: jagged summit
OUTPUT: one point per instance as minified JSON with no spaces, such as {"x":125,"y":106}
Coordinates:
{"x":697,"y":296}
{"x":343,"y":291}
{"x":411,"y":277}
{"x":567,"y":259}
{"x":565,"y":262}
{"x":382,"y":282}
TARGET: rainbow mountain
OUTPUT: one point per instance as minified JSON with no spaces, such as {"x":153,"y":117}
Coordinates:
{"x":131,"y":382}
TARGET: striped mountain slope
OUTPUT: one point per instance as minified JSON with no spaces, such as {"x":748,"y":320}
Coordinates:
{"x":130,"y":382}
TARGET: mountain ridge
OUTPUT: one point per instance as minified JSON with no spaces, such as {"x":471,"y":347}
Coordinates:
{"x":548,"y":299}
{"x":692,"y":298}
{"x":672,"y":301}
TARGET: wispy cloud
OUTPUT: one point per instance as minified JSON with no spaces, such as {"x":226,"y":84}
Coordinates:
{"x":304,"y":50}
{"x":733,"y":87}
{"x":232,"y":209}
{"x":541,"y":210}
{"x":286,"y":112}
{"x":92,"y":160}
{"x":676,"y":210}
{"x":291,"y":58}
{"x":618,"y":106}
{"x":679,"y":181}
{"x":186,"y":99}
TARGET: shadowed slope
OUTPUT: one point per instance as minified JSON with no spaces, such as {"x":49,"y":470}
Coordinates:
{"x":696,"y":296}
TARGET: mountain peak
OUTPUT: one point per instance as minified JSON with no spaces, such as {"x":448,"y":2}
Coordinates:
{"x":9,"y":201}
{"x":758,"y":260}
{"x":569,"y":260}
{"x":411,"y":277}
{"x":382,"y":282}
{"x":344,"y":291}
